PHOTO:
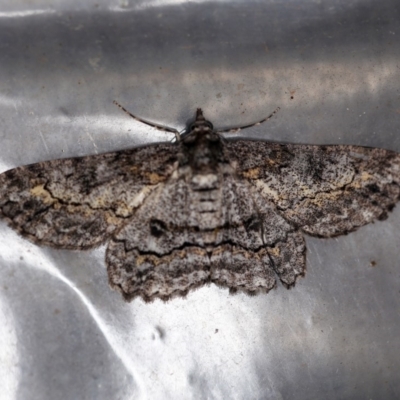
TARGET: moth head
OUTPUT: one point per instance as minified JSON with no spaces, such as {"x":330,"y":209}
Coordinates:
{"x":200,"y":127}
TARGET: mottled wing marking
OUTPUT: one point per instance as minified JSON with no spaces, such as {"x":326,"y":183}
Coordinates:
{"x":150,"y":276}
{"x":78,"y":203}
{"x":202,"y":210}
{"x":324,"y":190}
{"x":236,"y":268}
{"x":229,"y":236}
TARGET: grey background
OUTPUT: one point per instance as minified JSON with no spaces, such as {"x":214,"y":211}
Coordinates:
{"x":332,"y":66}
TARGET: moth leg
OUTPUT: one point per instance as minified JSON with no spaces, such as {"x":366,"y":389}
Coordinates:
{"x":152,"y":124}
{"x":237,"y":129}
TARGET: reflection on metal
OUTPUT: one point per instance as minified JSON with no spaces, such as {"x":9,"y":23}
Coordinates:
{"x":330,"y":66}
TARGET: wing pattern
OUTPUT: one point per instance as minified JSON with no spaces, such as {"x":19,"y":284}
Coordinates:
{"x":323,"y":190}
{"x":201,"y":210}
{"x":78,"y":203}
{"x":229,"y":236}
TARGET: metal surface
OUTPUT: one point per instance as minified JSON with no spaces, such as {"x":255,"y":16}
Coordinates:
{"x":332,"y":67}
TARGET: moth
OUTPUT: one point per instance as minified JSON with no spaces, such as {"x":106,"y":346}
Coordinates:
{"x":203,"y":209}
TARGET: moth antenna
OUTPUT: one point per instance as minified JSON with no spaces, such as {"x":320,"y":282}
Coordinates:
{"x":237,"y":129}
{"x":152,"y":124}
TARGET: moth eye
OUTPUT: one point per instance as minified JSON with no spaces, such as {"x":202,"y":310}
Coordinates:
{"x":157,"y":228}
